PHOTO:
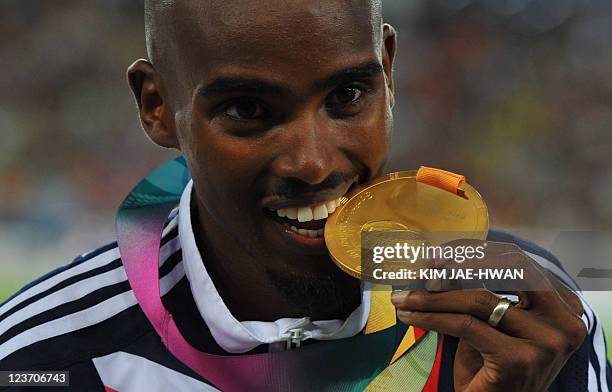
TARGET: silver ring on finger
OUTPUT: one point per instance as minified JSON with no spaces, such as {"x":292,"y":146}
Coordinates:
{"x":498,"y":312}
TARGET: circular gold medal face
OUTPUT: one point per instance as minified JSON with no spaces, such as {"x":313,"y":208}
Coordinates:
{"x":396,"y":201}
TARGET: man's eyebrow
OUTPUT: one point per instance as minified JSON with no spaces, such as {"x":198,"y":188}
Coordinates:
{"x":229,"y":85}
{"x":364,"y":70}
{"x":223,"y":86}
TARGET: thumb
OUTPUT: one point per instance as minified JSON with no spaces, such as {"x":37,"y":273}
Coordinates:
{"x":468,"y":363}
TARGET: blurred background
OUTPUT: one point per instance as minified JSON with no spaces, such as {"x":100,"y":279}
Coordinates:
{"x":515,"y":94}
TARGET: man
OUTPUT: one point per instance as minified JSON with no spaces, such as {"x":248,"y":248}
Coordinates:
{"x":279,"y":108}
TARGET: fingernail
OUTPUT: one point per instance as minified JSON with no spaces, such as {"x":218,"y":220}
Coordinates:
{"x":404,"y":313}
{"x":398,"y":297}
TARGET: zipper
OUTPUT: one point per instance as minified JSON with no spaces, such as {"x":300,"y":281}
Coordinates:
{"x":296,"y":335}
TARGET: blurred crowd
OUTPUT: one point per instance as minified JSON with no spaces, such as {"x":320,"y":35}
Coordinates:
{"x":515,"y":94}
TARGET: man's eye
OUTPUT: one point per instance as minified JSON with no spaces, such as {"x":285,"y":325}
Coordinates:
{"x":245,"y":109}
{"x":345,"y":96}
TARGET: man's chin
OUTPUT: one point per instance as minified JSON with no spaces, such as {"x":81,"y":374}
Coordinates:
{"x":308,"y":264}
{"x":322,"y":294}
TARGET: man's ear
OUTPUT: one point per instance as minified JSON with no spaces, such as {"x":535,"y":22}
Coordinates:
{"x":154,"y":109}
{"x":388,"y":55}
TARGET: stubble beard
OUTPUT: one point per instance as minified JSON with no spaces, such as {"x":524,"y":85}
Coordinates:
{"x":326,"y":296}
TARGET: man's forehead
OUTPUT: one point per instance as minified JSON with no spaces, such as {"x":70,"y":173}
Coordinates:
{"x":244,"y":31}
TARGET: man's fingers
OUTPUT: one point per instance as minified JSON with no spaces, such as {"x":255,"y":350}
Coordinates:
{"x":507,"y":356}
{"x":480,"y":335}
{"x":479,"y":304}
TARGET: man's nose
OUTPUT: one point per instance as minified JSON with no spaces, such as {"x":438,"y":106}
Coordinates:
{"x":310,"y":153}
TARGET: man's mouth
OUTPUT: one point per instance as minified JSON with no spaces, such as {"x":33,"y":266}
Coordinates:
{"x":306,"y":224}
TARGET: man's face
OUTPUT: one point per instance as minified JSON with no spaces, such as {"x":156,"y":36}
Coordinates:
{"x":279,"y":107}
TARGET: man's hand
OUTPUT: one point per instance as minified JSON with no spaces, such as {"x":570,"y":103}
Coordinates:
{"x":529,"y":346}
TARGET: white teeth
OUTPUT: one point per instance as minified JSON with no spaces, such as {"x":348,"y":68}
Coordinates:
{"x":308,"y":233}
{"x":291,"y":213}
{"x":304,"y":214}
{"x":331,"y":206}
{"x":319,"y":212}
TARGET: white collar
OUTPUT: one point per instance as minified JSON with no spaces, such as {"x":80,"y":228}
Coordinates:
{"x":238,"y":337}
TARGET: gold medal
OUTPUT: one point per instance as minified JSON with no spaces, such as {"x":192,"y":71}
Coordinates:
{"x":405,"y":201}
